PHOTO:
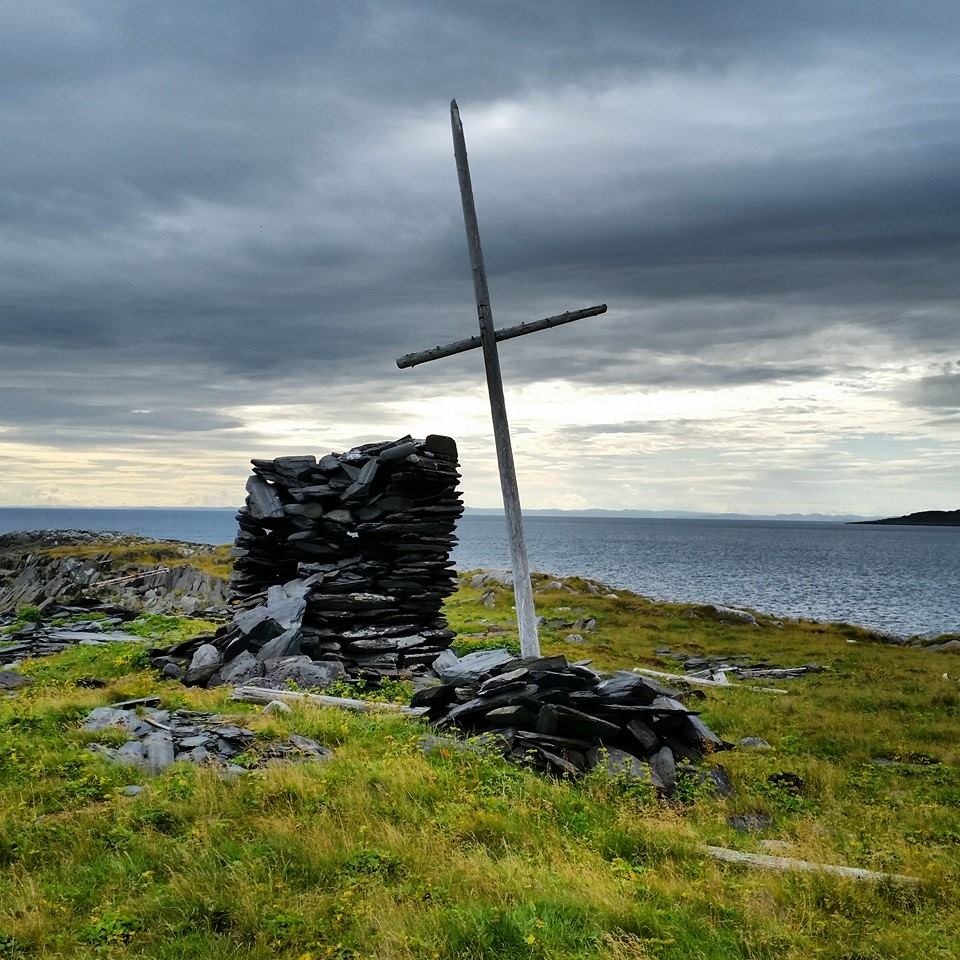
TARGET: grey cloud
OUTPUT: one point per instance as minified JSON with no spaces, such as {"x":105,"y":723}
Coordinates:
{"x":203,"y":206}
{"x":938,"y":392}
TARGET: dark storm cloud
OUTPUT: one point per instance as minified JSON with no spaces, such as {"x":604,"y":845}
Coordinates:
{"x":210,"y":205}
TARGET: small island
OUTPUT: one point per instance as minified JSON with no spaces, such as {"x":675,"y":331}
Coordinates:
{"x":925,"y":518}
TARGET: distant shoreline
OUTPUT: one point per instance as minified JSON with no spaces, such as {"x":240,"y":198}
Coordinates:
{"x":924,"y":518}
{"x":593,"y":513}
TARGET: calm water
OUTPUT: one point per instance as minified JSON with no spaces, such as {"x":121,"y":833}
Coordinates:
{"x":901,"y":579}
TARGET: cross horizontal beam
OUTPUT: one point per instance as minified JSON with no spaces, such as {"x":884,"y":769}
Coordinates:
{"x":505,"y":333}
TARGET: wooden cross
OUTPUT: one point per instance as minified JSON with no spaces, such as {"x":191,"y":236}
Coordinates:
{"x":523,"y":591}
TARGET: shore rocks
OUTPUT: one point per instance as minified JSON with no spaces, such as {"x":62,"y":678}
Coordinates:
{"x":565,"y":719}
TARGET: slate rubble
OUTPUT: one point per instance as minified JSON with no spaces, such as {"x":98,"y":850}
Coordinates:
{"x":157,"y":738}
{"x":343,"y":560}
{"x":42,"y":638}
{"x":565,"y":719}
{"x":742,"y":667}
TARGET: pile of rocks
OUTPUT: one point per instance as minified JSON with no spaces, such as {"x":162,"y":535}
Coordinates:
{"x":157,"y":738}
{"x":564,"y":718}
{"x":344,"y":560}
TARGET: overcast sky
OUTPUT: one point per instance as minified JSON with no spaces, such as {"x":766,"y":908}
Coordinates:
{"x":222,"y":221}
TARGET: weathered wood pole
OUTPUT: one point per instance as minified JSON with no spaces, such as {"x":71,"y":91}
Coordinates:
{"x":522,"y":589}
{"x":504,"y":333}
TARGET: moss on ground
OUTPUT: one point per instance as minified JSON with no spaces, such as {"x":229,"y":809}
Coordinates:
{"x":384,"y":852}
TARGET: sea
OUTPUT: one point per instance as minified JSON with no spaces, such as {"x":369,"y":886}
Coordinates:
{"x":899,"y":579}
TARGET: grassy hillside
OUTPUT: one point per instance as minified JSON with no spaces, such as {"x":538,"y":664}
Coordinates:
{"x":137,"y":554}
{"x":386,"y":852}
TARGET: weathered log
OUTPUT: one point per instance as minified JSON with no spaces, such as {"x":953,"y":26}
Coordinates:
{"x":789,"y":864}
{"x":266,"y":695}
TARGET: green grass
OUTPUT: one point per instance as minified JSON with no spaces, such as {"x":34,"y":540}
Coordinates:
{"x":384,"y":852}
{"x":136,"y":555}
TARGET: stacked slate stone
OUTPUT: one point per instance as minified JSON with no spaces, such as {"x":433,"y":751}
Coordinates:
{"x":348,"y":558}
{"x":565,"y":719}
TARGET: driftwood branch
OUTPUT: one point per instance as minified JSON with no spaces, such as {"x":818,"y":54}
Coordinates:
{"x":789,"y":865}
{"x":701,"y":681}
{"x":265,"y":695}
{"x":504,"y":333}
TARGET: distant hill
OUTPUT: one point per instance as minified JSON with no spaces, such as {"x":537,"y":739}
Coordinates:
{"x":925,"y":518}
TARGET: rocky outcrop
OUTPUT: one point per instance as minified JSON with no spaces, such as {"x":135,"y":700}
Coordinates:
{"x":32,"y":575}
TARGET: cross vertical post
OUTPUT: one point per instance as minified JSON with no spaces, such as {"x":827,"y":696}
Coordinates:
{"x":522,"y":588}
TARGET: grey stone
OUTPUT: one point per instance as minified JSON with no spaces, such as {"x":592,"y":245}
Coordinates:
{"x":753,"y":743}
{"x":664,"y":767}
{"x":13,"y":681}
{"x":950,"y":646}
{"x":732,"y":615}
{"x":502,"y":577}
{"x":173,"y":671}
{"x":263,"y":500}
{"x":304,"y":672}
{"x":132,"y":790}
{"x":512,"y":716}
{"x":287,"y":604}
{"x":243,"y":667}
{"x":133,"y":752}
{"x":189,"y":743}
{"x":204,"y":664}
{"x":750,"y":822}
{"x":277,"y":706}
{"x":714,"y":781}
{"x":247,"y":621}
{"x":472,"y":668}
{"x":619,"y":763}
{"x":160,"y":750}
{"x":494,"y":684}
{"x":287,"y":644}
{"x":397,"y":452}
{"x":643,"y":734}
{"x":309,"y":747}
{"x":103,"y":718}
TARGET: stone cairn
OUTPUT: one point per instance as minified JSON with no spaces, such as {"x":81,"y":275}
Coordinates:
{"x":565,"y":719}
{"x":341,"y":564}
